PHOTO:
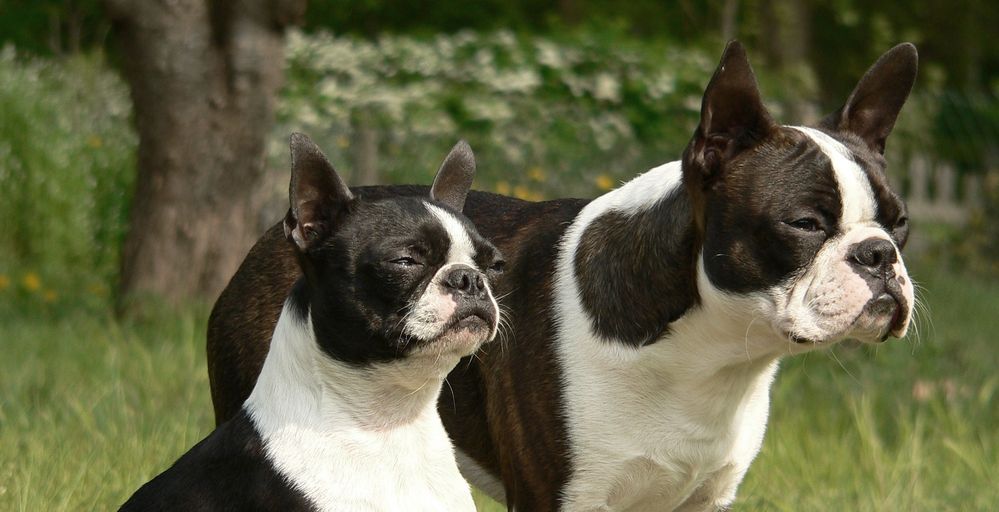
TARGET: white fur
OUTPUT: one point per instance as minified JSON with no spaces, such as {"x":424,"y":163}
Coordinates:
{"x":675,"y":425}
{"x":368,"y":439}
{"x":434,"y":308}
{"x":671,"y":425}
{"x":480,"y":477}
{"x":354,"y":439}
{"x":826,"y":302}
{"x":461,"y":249}
{"x":854,"y":188}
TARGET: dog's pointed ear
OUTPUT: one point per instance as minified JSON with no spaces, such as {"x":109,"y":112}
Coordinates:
{"x":317,"y":194}
{"x":733,"y":117}
{"x":873,"y":106}
{"x":454,"y":178}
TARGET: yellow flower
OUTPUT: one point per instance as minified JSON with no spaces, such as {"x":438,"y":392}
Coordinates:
{"x":50,"y":296}
{"x":95,"y":141}
{"x":503,"y":187}
{"x":97,"y":289}
{"x":4,"y":282}
{"x":537,"y":174}
{"x":343,"y":142}
{"x":31,"y":282}
{"x":522,"y":192}
{"x":604,"y":182}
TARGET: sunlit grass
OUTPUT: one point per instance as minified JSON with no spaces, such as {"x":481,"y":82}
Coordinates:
{"x":91,"y":408}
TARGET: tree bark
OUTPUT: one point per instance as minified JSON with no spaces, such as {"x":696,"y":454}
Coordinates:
{"x":730,"y":11}
{"x":787,"y":37}
{"x":204,"y":76}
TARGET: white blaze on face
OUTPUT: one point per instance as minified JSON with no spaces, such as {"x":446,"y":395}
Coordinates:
{"x":827,"y":302}
{"x":435,"y":307}
{"x":461,"y":249}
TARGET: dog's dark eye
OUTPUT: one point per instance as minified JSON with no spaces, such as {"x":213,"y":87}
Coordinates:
{"x":806,"y":224}
{"x":498,"y":266}
{"x":405,"y":261}
{"x":901,"y":231}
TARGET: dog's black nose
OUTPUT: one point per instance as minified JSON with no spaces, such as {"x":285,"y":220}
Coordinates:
{"x":876,"y":254}
{"x":467,"y":281}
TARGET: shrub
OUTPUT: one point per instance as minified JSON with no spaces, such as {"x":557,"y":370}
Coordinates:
{"x":546,"y":117}
{"x":66,"y":168}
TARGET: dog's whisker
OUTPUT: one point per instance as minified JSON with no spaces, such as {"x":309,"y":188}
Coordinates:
{"x":454,"y":402}
{"x":748,"y":327}
{"x":832,"y":354}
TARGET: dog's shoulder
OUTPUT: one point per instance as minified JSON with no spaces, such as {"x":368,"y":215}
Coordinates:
{"x":228,"y":470}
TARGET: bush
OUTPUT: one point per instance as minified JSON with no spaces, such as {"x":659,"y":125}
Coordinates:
{"x":66,"y":169}
{"x":546,"y":117}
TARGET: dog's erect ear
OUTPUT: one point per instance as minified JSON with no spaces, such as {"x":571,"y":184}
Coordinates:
{"x":316,"y":194}
{"x":454,"y":178}
{"x":733,"y":117}
{"x":871,"y":110}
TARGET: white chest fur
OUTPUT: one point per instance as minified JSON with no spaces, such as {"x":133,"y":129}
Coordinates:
{"x":670,"y":426}
{"x":345,"y":438}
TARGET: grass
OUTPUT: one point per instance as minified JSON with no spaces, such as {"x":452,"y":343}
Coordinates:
{"x":91,"y":408}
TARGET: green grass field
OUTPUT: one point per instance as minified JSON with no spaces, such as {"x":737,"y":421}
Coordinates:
{"x":91,"y":408}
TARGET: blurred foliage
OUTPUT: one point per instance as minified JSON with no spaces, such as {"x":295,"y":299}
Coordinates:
{"x":844,"y":36}
{"x":966,"y":130}
{"x":546,"y":117}
{"x":982,"y":241}
{"x":50,"y":27}
{"x":66,"y":167}
{"x":973,"y":248}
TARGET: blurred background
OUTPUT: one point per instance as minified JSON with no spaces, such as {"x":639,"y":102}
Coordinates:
{"x":143,"y":150}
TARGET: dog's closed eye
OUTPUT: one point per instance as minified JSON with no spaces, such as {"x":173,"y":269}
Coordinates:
{"x":406,"y":261}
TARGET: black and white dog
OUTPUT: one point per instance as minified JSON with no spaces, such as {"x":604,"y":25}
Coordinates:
{"x":646,"y":325}
{"x":343,"y":416}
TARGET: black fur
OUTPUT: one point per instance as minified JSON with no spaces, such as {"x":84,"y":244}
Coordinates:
{"x":365,"y":284}
{"x":227,"y":471}
{"x":362,"y":264}
{"x":638,"y":256}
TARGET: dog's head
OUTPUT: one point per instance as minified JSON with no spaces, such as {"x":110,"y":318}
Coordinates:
{"x":802,"y":220}
{"x":392,"y":278}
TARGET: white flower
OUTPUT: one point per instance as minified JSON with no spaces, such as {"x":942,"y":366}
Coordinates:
{"x":607,"y":88}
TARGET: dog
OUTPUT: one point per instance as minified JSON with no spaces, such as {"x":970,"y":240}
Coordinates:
{"x":343,"y":417}
{"x":646,"y":325}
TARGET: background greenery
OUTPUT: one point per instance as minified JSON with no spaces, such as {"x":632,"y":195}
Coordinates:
{"x":565,"y":98}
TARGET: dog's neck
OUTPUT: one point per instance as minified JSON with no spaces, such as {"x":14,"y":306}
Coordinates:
{"x":301,"y":385}
{"x":708,"y":342}
{"x":701,"y":359}
{"x":639,"y":242}
{"x":343,"y":434}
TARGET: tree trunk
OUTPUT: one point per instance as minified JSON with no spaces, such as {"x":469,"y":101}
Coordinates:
{"x":730,"y":11}
{"x":204,"y":75}
{"x":787,"y":37}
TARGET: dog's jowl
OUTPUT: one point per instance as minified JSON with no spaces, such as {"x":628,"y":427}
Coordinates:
{"x":645,"y":326}
{"x":343,"y":416}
